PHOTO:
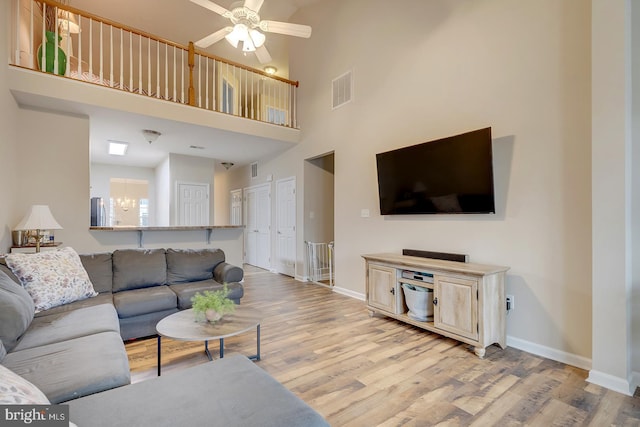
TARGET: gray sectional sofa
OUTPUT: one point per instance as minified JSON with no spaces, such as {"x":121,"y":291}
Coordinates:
{"x":136,"y":289}
{"x":74,"y":353}
{"x":146,"y":285}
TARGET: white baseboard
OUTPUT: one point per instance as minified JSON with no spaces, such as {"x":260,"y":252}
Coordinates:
{"x":349,"y":293}
{"x":550,"y":353}
{"x":612,"y":383}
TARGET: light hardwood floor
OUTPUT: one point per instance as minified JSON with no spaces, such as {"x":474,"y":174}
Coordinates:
{"x":358,"y":370}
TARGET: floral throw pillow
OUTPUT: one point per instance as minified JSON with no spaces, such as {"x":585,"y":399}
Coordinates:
{"x":15,"y":390}
{"x":52,"y":278}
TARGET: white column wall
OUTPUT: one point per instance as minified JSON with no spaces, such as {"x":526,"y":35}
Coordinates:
{"x":611,"y":194}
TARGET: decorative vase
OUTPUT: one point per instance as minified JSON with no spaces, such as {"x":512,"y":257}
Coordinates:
{"x":212,"y":315}
{"x":51,"y":45}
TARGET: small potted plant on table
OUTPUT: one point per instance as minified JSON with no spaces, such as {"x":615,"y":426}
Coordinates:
{"x":212,"y":305}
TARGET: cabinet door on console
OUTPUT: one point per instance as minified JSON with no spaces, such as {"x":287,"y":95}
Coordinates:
{"x":456,"y":309}
{"x":382,"y":288}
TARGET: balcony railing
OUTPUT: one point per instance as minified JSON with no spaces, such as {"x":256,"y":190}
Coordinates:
{"x":106,"y":53}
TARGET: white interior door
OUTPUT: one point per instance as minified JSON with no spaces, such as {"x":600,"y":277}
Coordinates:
{"x":257,"y":203}
{"x":286,"y":226}
{"x":193,"y":204}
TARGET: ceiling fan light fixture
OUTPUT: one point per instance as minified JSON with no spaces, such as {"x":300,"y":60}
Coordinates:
{"x":257,"y":38}
{"x":239,"y":34}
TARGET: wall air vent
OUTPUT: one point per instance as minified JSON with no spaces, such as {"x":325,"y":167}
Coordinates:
{"x":254,"y":170}
{"x":342,"y":90}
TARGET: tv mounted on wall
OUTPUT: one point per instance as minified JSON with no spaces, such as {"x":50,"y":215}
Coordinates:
{"x":451,"y":175}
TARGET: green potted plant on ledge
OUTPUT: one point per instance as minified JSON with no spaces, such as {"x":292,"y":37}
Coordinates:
{"x":212,"y":305}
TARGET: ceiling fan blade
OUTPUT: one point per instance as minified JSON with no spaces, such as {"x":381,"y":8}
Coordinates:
{"x":286,"y":28}
{"x":212,"y":6}
{"x":213,"y":38}
{"x":263,"y":55}
{"x":254,"y":5}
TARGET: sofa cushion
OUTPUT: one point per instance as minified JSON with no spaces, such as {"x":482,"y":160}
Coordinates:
{"x":52,"y":278}
{"x":16,"y":311}
{"x":138,"y":268}
{"x":143,"y":301}
{"x":143,"y":325}
{"x":69,"y":325}
{"x":105,"y":298}
{"x":189,"y":265}
{"x":15,"y":390}
{"x":186,"y":291}
{"x":227,"y":392}
{"x":3,"y":351}
{"x":100,"y":270}
{"x":70,"y":369}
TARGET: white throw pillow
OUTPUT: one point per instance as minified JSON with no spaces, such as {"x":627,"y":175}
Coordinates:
{"x":52,"y":278}
{"x":15,"y":390}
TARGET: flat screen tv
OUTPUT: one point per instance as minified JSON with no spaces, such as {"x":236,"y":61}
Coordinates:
{"x":451,"y":175}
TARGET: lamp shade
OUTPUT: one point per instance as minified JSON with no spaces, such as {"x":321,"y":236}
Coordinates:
{"x":38,"y":218}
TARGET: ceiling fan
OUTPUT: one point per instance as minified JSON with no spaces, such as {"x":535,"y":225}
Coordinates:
{"x":247,"y":28}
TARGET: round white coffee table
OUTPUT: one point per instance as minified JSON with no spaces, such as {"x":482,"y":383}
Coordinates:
{"x":182,"y":326}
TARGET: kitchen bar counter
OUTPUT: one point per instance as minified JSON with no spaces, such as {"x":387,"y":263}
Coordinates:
{"x":141,"y":230}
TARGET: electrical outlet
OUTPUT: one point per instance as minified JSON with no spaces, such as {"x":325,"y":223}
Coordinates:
{"x":510,"y":302}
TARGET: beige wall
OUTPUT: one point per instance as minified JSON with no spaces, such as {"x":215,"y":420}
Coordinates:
{"x":445,"y":68}
{"x":10,"y":166}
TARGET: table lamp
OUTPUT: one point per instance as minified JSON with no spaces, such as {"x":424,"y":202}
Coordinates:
{"x":38,"y":218}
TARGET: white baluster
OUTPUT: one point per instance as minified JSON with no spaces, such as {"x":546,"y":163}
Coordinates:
{"x":31,"y":35}
{"x":166,"y":72}
{"x":43,"y":52}
{"x":199,"y":81}
{"x":55,"y":42}
{"x":175,"y":98}
{"x":90,"y":49}
{"x":80,"y":46}
{"x":16,"y":59}
{"x":253,"y":112}
{"x":130,"y":61}
{"x":148,"y":66}
{"x":206,"y":84}
{"x":121,"y":81}
{"x":214,"y":106}
{"x":182,"y":76}
{"x":157,"y":68}
{"x":101,"y":55}
{"x":111,"y":55}
{"x":140,"y":71}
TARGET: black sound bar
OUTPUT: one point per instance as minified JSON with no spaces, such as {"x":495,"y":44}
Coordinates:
{"x":436,"y":255}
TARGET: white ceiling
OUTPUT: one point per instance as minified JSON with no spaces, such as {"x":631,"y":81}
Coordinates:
{"x":182,"y":21}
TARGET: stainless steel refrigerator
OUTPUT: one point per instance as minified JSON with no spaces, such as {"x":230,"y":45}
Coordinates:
{"x":98,"y":212}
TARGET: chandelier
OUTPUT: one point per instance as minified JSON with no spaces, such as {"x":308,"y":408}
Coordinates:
{"x":125,"y":203}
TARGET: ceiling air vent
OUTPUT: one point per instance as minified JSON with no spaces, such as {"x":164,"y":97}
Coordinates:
{"x":254,"y":170}
{"x":342,"y":90}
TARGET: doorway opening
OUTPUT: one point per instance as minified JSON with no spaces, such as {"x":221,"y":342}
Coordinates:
{"x":319,"y":177}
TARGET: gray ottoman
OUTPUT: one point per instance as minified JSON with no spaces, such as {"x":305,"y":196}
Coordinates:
{"x":227,"y":392}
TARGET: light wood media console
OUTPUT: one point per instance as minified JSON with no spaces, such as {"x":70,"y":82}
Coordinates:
{"x":469,"y":302}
